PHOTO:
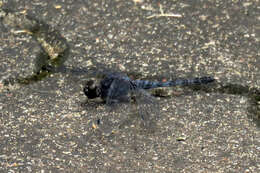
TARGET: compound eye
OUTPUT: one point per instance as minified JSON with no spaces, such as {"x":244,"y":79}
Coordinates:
{"x":90,"y":84}
{"x":90,"y":89}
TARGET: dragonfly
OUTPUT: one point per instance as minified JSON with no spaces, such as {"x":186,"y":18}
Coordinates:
{"x":116,"y":88}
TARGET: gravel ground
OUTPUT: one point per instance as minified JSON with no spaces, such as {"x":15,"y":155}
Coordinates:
{"x":48,"y":125}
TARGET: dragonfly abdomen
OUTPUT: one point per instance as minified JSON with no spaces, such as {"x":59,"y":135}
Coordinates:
{"x":145,"y":84}
{"x":195,"y":81}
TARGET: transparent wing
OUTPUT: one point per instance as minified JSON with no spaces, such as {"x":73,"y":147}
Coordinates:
{"x":148,"y":109}
{"x":117,"y":107}
{"x":143,"y":111}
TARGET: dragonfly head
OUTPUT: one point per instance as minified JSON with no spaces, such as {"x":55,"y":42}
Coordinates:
{"x":91,"y":90}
